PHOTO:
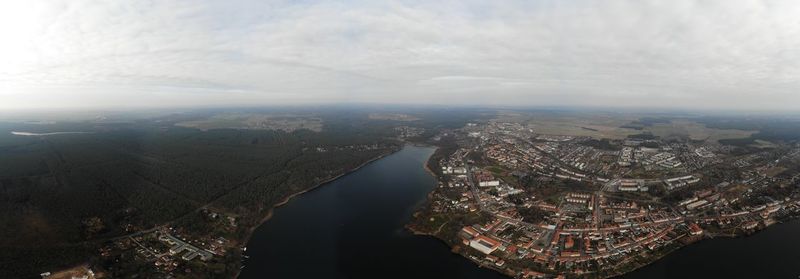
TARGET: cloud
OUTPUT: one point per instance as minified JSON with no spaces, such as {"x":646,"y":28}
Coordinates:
{"x":684,"y":54}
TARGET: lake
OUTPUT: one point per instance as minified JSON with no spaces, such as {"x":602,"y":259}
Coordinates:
{"x":771,"y":253}
{"x":353,"y":227}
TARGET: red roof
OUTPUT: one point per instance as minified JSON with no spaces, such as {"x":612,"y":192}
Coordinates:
{"x":512,"y":249}
{"x":569,"y":243}
{"x":488,"y":240}
{"x":471,"y":231}
{"x":695,"y":229}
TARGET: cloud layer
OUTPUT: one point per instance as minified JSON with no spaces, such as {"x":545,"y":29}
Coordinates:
{"x":681,"y":54}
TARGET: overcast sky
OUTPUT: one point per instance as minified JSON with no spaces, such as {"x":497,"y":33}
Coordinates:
{"x":672,"y":54}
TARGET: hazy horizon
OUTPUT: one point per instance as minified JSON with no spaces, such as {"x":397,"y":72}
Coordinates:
{"x":117,"y":113}
{"x":676,"y":55}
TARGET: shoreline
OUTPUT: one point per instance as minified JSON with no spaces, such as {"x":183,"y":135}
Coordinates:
{"x":288,"y":198}
{"x":454,"y":251}
{"x":614,"y":274}
{"x":429,"y":170}
{"x":416,"y":232}
{"x":707,"y":238}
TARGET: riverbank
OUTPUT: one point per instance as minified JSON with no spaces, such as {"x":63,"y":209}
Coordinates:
{"x":707,"y":237}
{"x":424,"y":204}
{"x":355,"y":229}
{"x":455,"y":250}
{"x":427,"y":166}
{"x":732,"y":256}
{"x":428,"y":198}
{"x":288,"y":198}
{"x":505,"y":272}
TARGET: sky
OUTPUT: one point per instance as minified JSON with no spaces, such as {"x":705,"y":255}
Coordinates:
{"x":731,"y":54}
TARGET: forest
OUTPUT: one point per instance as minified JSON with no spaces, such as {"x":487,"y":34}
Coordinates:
{"x":63,"y":195}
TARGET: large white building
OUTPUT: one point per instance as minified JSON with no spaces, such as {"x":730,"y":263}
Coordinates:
{"x":484,"y":244}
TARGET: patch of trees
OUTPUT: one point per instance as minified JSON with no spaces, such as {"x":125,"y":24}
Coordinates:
{"x":642,"y":136}
{"x":532,"y":214}
{"x":769,"y":129}
{"x":742,"y":142}
{"x":602,"y":144}
{"x":646,"y":122}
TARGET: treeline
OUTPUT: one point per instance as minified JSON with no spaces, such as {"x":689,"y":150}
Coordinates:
{"x":138,"y":175}
{"x":602,"y":144}
{"x":769,"y":129}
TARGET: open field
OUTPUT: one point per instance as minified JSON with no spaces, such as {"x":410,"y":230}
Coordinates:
{"x":695,"y":131}
{"x":286,"y":123}
{"x":392,"y":116}
{"x":611,"y":126}
{"x":596,"y":125}
{"x":763,"y":144}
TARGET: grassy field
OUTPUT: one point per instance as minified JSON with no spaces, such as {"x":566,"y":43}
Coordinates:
{"x":392,"y":116}
{"x":286,"y":123}
{"x":610,"y":126}
{"x":596,"y":125}
{"x":696,"y":131}
{"x":763,"y":144}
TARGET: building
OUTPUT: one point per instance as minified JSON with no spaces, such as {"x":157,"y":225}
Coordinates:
{"x":750,"y":225}
{"x":579,"y":198}
{"x":694,"y":229}
{"x":696,"y":204}
{"x":484,"y":244}
{"x":631,"y":185}
{"x":470,"y":231}
{"x":180,"y":246}
{"x":678,"y":182}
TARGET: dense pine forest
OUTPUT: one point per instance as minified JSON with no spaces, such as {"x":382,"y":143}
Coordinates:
{"x":65,"y":196}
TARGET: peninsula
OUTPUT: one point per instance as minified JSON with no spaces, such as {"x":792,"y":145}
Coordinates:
{"x":532,"y":199}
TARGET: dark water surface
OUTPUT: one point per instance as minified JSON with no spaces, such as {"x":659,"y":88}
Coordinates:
{"x":353,"y":228}
{"x":771,"y":253}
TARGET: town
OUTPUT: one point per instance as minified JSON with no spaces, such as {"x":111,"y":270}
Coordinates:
{"x":533,"y":205}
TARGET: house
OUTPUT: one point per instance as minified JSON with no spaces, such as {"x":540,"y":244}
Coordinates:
{"x":694,"y":229}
